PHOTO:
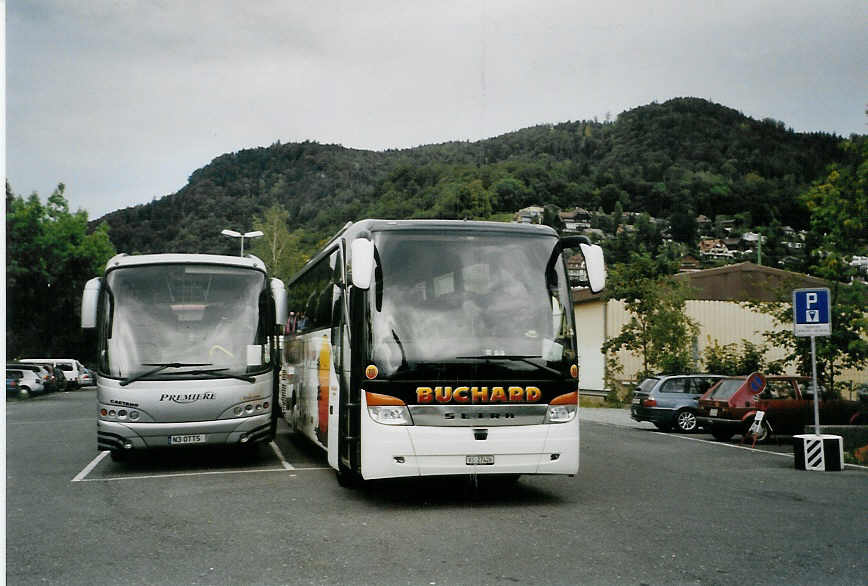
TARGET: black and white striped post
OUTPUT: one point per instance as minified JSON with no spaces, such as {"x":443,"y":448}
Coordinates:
{"x":812,"y":316}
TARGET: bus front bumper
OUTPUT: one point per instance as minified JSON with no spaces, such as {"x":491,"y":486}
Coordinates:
{"x":400,"y":451}
{"x":116,"y":436}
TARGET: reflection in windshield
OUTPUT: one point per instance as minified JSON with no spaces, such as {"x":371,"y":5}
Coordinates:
{"x":184,"y":315}
{"x":446,"y":296}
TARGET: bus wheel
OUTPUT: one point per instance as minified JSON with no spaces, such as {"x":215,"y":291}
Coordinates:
{"x":346,"y":477}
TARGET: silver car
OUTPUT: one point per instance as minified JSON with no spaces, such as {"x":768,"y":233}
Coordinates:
{"x":671,"y":401}
{"x":28,"y":381}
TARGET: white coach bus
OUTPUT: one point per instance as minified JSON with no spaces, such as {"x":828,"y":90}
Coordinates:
{"x":187,"y":351}
{"x":424,"y":347}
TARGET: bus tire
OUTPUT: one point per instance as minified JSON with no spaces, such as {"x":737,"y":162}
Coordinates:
{"x":346,"y":477}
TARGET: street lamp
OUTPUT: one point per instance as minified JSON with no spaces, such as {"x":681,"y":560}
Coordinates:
{"x":234,"y":234}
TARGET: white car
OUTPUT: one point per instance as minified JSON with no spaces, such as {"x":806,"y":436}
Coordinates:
{"x":28,"y":382}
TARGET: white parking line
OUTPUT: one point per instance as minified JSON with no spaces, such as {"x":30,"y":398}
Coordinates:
{"x":286,"y":465}
{"x":87,"y":469}
{"x":183,"y":474}
{"x":717,"y":443}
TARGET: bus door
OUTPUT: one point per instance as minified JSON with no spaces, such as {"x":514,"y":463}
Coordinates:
{"x":336,"y":350}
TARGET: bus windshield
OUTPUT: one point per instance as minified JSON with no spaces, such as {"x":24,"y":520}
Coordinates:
{"x":184,"y":321}
{"x":452,"y":296}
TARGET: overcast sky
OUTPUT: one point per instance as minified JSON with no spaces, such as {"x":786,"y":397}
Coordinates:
{"x":123,"y":100}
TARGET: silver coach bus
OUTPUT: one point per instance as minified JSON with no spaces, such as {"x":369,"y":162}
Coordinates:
{"x":187,"y":350}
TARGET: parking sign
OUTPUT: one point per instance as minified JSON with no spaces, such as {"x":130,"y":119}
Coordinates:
{"x":812,"y":314}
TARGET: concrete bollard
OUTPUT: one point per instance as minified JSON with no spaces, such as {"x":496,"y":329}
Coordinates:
{"x":819,"y":452}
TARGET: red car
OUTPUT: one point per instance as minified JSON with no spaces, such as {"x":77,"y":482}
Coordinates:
{"x":729,"y":407}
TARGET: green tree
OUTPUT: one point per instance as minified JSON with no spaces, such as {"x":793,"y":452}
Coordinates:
{"x":50,"y":254}
{"x":279,"y":248}
{"x":838,"y":206}
{"x":727,"y":359}
{"x":658,"y":331}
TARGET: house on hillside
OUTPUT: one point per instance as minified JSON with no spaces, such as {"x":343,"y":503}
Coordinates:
{"x":714,"y":248}
{"x":575,"y":220}
{"x":576,"y":269}
{"x":529,"y":215}
{"x":715,"y":305}
{"x":689,"y":263}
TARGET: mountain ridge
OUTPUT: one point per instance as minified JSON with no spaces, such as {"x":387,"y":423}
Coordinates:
{"x":685,"y":155}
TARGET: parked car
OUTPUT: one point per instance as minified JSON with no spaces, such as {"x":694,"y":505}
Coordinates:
{"x":787,"y":401}
{"x":87,"y":378}
{"x":671,"y":401}
{"x":28,"y":382}
{"x":60,"y":377}
{"x":71,"y":367}
{"x":42,"y":372}
{"x":13,"y":381}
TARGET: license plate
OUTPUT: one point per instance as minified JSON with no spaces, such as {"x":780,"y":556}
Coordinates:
{"x":183,"y":440}
{"x":480,"y":460}
{"x":712,"y":412}
{"x":636,"y":401}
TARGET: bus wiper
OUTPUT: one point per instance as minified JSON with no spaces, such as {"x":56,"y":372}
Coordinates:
{"x":513,"y":357}
{"x":401,"y":348}
{"x":217,"y":372}
{"x":160,"y":366}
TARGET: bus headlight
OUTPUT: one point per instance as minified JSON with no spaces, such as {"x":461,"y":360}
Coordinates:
{"x":560,"y":413}
{"x":563,"y":408}
{"x":390,"y":414}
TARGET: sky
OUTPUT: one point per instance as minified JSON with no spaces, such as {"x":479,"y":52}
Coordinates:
{"x":121,"y":100}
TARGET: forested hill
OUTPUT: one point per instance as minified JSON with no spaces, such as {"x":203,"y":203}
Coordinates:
{"x":684,"y":156}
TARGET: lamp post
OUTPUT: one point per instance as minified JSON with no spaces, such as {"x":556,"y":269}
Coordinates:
{"x":234,"y":234}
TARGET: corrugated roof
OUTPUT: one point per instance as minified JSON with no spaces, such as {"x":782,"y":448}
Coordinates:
{"x":743,"y":281}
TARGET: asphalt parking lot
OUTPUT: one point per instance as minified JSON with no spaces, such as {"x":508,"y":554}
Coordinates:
{"x":646,"y":508}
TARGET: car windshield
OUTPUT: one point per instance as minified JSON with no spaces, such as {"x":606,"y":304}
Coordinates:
{"x":202,"y":316}
{"x":443,"y":296}
{"x":726,"y":388}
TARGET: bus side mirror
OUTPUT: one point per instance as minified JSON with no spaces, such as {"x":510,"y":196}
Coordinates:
{"x":595,"y":266}
{"x":278,"y":291}
{"x":362,"y":258}
{"x":90,"y":302}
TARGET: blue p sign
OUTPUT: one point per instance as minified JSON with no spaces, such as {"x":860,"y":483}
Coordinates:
{"x":812,"y":312}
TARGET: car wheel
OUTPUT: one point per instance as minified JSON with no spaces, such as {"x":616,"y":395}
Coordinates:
{"x":721,"y":435}
{"x":685,"y":421}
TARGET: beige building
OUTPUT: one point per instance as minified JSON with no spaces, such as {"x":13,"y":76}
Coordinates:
{"x":715,"y":306}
